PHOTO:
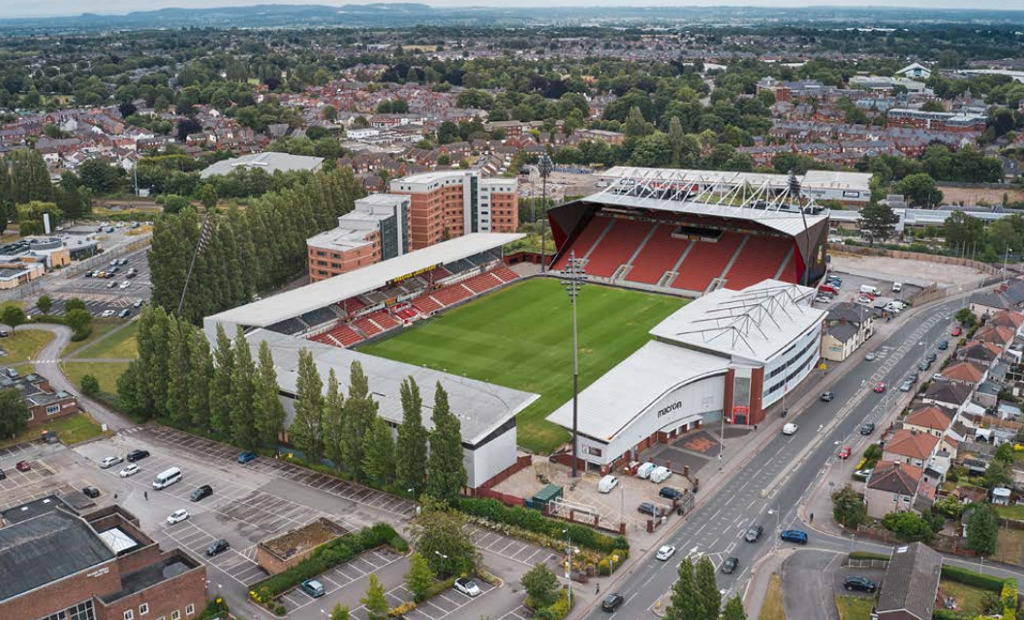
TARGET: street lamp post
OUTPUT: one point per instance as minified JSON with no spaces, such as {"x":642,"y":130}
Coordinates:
{"x":568,"y":566}
{"x":544,"y":166}
{"x":573,"y":278}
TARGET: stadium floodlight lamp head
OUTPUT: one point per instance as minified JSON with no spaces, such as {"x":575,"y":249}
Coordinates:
{"x":545,"y":166}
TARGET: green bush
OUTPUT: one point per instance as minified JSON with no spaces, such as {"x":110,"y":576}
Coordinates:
{"x":950,"y":614}
{"x":556,"y":611}
{"x":279,"y":609}
{"x":606,"y":567}
{"x":867,"y":555}
{"x":533,"y":521}
{"x":438,"y":587}
{"x":971,"y":578}
{"x":217,"y":608}
{"x":1008,"y":595}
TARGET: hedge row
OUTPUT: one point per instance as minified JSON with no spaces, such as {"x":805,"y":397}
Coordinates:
{"x":533,"y":521}
{"x":971,"y":578}
{"x":325,"y":557}
{"x":867,"y":555}
{"x":557,"y":610}
{"x":606,"y":566}
{"x":950,"y":614}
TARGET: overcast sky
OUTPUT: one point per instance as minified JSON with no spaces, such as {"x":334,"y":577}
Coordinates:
{"x":32,"y":8}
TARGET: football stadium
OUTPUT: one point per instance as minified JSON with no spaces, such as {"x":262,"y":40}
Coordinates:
{"x":697,"y":310}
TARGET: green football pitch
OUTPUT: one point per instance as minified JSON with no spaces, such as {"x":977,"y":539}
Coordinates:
{"x":521,"y":337}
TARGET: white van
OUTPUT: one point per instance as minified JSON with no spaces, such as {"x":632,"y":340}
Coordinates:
{"x":897,"y":287}
{"x":660,"y":474}
{"x":167,"y":478}
{"x":607,"y":483}
{"x":866,"y":288}
{"x":644,"y":471}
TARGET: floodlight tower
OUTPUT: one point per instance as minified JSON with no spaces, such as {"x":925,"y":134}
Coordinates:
{"x":573,"y":278}
{"x":544,"y":166}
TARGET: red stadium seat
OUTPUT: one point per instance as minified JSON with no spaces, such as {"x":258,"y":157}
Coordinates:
{"x":658,"y":256}
{"x":706,"y":261}
{"x":616,"y":247}
{"x":760,"y":259}
{"x":585,"y":241}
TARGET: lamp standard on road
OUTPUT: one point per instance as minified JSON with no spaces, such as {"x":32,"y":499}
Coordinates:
{"x":544,"y":166}
{"x":573,"y":278}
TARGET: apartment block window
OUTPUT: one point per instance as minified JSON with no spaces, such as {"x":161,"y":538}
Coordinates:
{"x":190,"y":609}
{"x":175,"y":615}
{"x":129,"y":614}
{"x":52,"y":409}
{"x":143,"y":609}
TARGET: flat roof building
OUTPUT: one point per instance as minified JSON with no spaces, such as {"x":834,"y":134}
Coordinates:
{"x":270,"y":162}
{"x":376,"y":229}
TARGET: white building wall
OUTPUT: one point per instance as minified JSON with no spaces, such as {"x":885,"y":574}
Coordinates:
{"x":802,"y":354}
{"x":490,"y":459}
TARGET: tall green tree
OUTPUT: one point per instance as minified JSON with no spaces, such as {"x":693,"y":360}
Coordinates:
{"x":441,"y":535}
{"x":306,"y":430}
{"x":375,"y":602}
{"x":685,"y":602}
{"x":707,"y":590}
{"x":220,"y":386}
{"x":411,"y":453}
{"x":360,"y":411}
{"x":419,"y":578}
{"x":379,"y":453}
{"x":734,"y":610}
{"x":339,"y":612}
{"x":201,"y":372}
{"x":244,"y":432}
{"x":878,"y":221}
{"x":541,"y":585}
{"x":179,"y":336}
{"x":13,"y":316}
{"x":446,"y":471}
{"x":13,"y":413}
{"x":268,"y":410}
{"x":920,"y":190}
{"x":847,"y":507}
{"x":44,"y":303}
{"x":334,"y":421}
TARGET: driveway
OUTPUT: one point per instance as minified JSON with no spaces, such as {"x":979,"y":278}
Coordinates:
{"x":807,"y":584}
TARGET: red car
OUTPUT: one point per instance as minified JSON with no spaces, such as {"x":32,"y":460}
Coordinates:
{"x":956,"y":331}
{"x":845,"y":452}
{"x":879,"y":388}
{"x":23,"y":466}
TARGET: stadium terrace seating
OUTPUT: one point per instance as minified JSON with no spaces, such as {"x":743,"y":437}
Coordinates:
{"x":288,"y":326}
{"x":407,"y":313}
{"x":351,"y":306}
{"x":345,"y":335}
{"x":460,"y":266}
{"x":658,"y":256}
{"x":318,"y":317}
{"x":585,"y":240}
{"x":326,"y":339}
{"x":426,"y":304}
{"x":367,"y":326}
{"x":615,"y":248}
{"x":506,"y":274}
{"x":760,"y":258}
{"x":384,"y":320}
{"x":706,"y":261}
{"x":452,"y":294}
{"x":482,"y":282}
{"x":435,"y":274}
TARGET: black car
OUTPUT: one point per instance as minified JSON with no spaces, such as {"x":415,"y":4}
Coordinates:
{"x":753,"y":533}
{"x":828,"y":396}
{"x":3,"y":476}
{"x":729,"y":565}
{"x":612,"y":602}
{"x":867,"y":429}
{"x":648,"y":508}
{"x":136,"y":455}
{"x":943,"y":345}
{"x":670,"y":493}
{"x":92,"y":492}
{"x":217,"y":546}
{"x":931,"y":357}
{"x":862,"y":584}
{"x":203,"y":491}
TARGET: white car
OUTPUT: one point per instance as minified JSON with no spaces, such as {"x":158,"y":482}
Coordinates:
{"x":789,"y":428}
{"x":177,"y":516}
{"x":467,"y":586}
{"x":126,"y":284}
{"x":130,"y":470}
{"x":107,"y":314}
{"x":110,"y":461}
{"x":665,"y":552}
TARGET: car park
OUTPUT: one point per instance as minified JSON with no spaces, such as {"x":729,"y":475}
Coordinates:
{"x":23,"y":466}
{"x":906,"y":386}
{"x":871,"y":356}
{"x":828,"y":397}
{"x":612,"y":602}
{"x":312,"y":587}
{"x":753,"y":533}
{"x":665,"y":552}
{"x":845,"y":452}
{"x":130,"y":470}
{"x":670,"y":493}
{"x":794,"y":536}
{"x":467,"y":586}
{"x":177,"y":516}
{"x":202,"y":493}
{"x":867,"y":428}
{"x":245,"y":457}
{"x":217,"y":546}
{"x":137,"y":455}
{"x":879,"y":387}
{"x":91,"y":492}
{"x":729,"y":565}
{"x":789,"y":428}
{"x":861,"y":584}
{"x":648,"y":508}
{"x":110,"y":461}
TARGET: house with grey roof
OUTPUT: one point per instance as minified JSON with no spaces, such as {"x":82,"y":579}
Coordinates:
{"x":911,"y":583}
{"x":846,"y":328}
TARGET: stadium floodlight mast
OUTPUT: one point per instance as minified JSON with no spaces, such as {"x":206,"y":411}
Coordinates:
{"x":795,"y":192}
{"x":573,"y":278}
{"x":204,"y":237}
{"x":544,"y":166}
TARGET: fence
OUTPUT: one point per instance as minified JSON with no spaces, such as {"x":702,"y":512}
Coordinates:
{"x":942,"y":542}
{"x":931,"y":258}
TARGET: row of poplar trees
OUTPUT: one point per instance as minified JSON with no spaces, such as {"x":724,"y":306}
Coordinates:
{"x":245,"y":250}
{"x":349,"y":432}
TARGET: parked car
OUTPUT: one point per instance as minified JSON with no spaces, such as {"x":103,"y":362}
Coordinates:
{"x":137,"y":304}
{"x":111,"y":284}
{"x":794,"y":536}
{"x":92,"y":492}
{"x":956,"y":331}
{"x":245,"y":457}
{"x":789,"y":428}
{"x":202,"y":492}
{"x":130,"y":470}
{"x":925,"y":365}
{"x":217,"y":546}
{"x":845,"y":452}
{"x":871,"y":356}
{"x":107,"y":314}
{"x":879,"y":387}
{"x":867,"y":428}
{"x":913,"y":377}
{"x":865,"y":299}
{"x":612,"y":602}
{"x":660,"y":474}
{"x":313,"y":588}
{"x":124,"y":314}
{"x":177,"y":516}
{"x":822,"y":299}
{"x":729,"y":565}
{"x":753,"y":533}
{"x":665,"y":552}
{"x":828,"y":396}
{"x":931,"y":357}
{"x":110,"y":461}
{"x":467,"y":586}
{"x":906,"y":386}
{"x":648,"y":508}
{"x":3,"y":476}
{"x":943,"y":345}
{"x":897,"y":287}
{"x":862,"y":584}
{"x":670,"y":494}
{"x":23,"y":466}
{"x":137,"y":455}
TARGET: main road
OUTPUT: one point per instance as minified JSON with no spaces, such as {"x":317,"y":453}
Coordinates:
{"x":771,"y":484}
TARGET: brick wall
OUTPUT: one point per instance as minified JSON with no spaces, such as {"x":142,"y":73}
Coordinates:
{"x":102,"y":579}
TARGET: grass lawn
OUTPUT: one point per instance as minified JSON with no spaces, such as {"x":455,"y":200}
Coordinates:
{"x":24,"y":345}
{"x":1009,"y":546}
{"x":968,"y":598}
{"x":120,"y":345}
{"x":521,"y":337}
{"x":100,"y":327}
{"x":854,"y":607}
{"x":772,"y":608}
{"x":1015,"y":512}
{"x":106,"y":373}
{"x":71,"y":430}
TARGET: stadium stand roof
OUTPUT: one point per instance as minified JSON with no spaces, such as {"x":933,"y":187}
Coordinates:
{"x":812,"y":180}
{"x":756,"y":323}
{"x":269,"y":162}
{"x":634,"y":385}
{"x":481,"y":407}
{"x":296,"y":302}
